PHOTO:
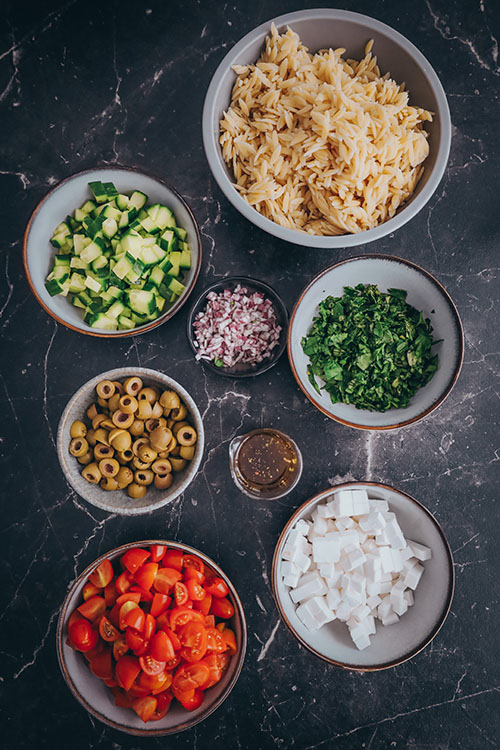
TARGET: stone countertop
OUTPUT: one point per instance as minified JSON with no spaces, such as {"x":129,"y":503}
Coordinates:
{"x":87,"y":83}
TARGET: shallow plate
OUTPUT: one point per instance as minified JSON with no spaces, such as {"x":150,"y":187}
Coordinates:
{"x":242,"y":370}
{"x":118,"y":501}
{"x":38,"y":253}
{"x":393,"y":644}
{"x":93,"y":694}
{"x":424,"y":293}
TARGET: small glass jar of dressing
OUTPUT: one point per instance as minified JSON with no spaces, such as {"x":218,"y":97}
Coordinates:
{"x":265,"y":463}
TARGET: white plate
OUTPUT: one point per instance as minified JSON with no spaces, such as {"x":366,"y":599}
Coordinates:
{"x":393,"y":644}
{"x":424,"y":293}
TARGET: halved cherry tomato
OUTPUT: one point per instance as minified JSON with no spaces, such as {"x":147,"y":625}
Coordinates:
{"x":163,"y":621}
{"x":230,"y":639}
{"x":82,"y":635}
{"x":136,"y":642}
{"x":123,"y":582}
{"x":121,"y":698}
{"x":194,"y":639}
{"x":158,"y":682}
{"x":191,"y":700}
{"x":161,"y":647}
{"x":137,"y":691}
{"x":173,"y":558}
{"x":209,"y":621}
{"x":157,"y":552}
{"x":180,"y":594}
{"x":222,"y":608}
{"x":215,"y":641}
{"x":195,"y":590}
{"x":127,"y":669}
{"x":193,"y":573}
{"x":130,"y":596}
{"x":74,"y":617}
{"x":93,"y":608}
{"x":151,"y":666}
{"x":145,"y":575}
{"x":191,"y":676}
{"x":98,"y":649}
{"x":214,"y":665}
{"x":146,"y":596}
{"x":107,"y":631}
{"x":203,"y":605}
{"x":120,"y":648}
{"x":149,"y":627}
{"x":110,"y":594}
{"x":163,"y":704}
{"x":111,"y":683}
{"x":145,"y":707}
{"x":126,"y":607}
{"x":134,"y":558}
{"x":114,"y":616}
{"x":174,"y":638}
{"x":101,"y":665}
{"x":191,"y":561}
{"x":160,"y":604}
{"x":165,"y":579}
{"x":173,"y":663}
{"x":217,"y":587}
{"x":102,"y":575}
{"x":90,"y":590}
{"x":135,"y":618}
{"x":181,"y":615}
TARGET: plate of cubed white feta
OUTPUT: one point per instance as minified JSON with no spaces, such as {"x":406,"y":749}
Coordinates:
{"x":363,"y":575}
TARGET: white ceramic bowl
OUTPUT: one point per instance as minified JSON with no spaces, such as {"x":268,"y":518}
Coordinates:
{"x":118,"y":501}
{"x":393,"y":644}
{"x":424,"y":293}
{"x":322,"y":28}
{"x":38,"y":253}
{"x":93,"y":694}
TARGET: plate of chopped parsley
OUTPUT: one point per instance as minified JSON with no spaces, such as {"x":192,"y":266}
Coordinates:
{"x":375,"y":342}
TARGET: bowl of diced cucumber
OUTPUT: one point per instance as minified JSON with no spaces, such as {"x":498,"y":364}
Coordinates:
{"x":112,"y":252}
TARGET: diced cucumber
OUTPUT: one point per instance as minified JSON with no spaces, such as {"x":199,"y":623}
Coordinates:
{"x":111,"y":212}
{"x":185,"y":261}
{"x":79,"y":242}
{"x":180,"y":232}
{"x":101,"y":320}
{"x":160,"y":302}
{"x":79,"y":214}
{"x":76,"y":283}
{"x":77,"y":262}
{"x":141,"y":302}
{"x":126,"y":324}
{"x":131,"y":242}
{"x":109,"y":227}
{"x":110,"y":189}
{"x":115,"y":310}
{"x":122,"y":201}
{"x":54,"y":287}
{"x":88,"y":206}
{"x":62,"y":260}
{"x":58,"y":240}
{"x":168,"y":240}
{"x":149,"y":226}
{"x":176,"y":287}
{"x":164,"y":218}
{"x":92,"y":284}
{"x":122,"y":268}
{"x":137,"y":199}
{"x":91,"y":252}
{"x":99,"y":191}
{"x":77,"y":303}
{"x":156,"y":276}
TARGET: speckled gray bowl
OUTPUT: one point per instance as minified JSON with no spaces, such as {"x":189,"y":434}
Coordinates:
{"x":319,"y":29}
{"x":118,"y":501}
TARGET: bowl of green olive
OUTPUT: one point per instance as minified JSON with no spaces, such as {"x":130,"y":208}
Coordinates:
{"x":130,"y":440}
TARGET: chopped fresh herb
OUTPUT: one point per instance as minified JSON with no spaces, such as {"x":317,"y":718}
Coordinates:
{"x":218,"y":362}
{"x":371,"y":348}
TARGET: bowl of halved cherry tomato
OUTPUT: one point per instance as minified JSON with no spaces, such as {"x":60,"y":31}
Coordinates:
{"x":151,"y":637}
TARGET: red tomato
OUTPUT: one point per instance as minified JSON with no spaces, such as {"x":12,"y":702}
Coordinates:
{"x":204,"y":605}
{"x":230,"y":639}
{"x":98,"y":649}
{"x":173,"y":559}
{"x":137,"y":691}
{"x":181,"y":615}
{"x":157,"y":552}
{"x":102,"y":575}
{"x":111,"y":683}
{"x":159,"y":604}
{"x":214,"y":665}
{"x":89,"y":590}
{"x":149,"y":627}
{"x":114,"y":616}
{"x":191,"y":676}
{"x":145,"y":707}
{"x":161,"y":647}
{"x":101,"y":665}
{"x":130,"y":596}
{"x":217,"y":587}
{"x":180,"y":594}
{"x":136,"y":642}
{"x":194,"y":639}
{"x":135,"y":618}
{"x":209,"y":621}
{"x":107,"y":631}
{"x":222,"y":608}
{"x":126,"y":607}
{"x":158,"y":682}
{"x":215,"y":641}
{"x":110,"y":594}
{"x":93,"y":608}
{"x":164,"y":701}
{"x":174,"y":638}
{"x":165,"y":579}
{"x":121,"y":698}
{"x":74,"y":617}
{"x":191,"y":700}
{"x":123,"y":582}
{"x":146,"y":596}
{"x":134,"y":558}
{"x":190,"y":561}
{"x":195,"y":590}
{"x":120,"y":648}
{"x":82,"y":635}
{"x":127,"y":669}
{"x":151,"y":666}
{"x":192,"y":573}
{"x":145,"y":576}
{"x":173,"y":663}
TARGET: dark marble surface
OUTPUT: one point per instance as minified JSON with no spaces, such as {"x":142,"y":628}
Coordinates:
{"x":86,"y":83}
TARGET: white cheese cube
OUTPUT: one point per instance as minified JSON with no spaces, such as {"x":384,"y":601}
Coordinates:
{"x":352,"y":593}
{"x":385,"y":587}
{"x":302,"y":526}
{"x":384,"y":608}
{"x":323,"y":511}
{"x":342,"y":504}
{"x":373,"y":588}
{"x":333,"y":598}
{"x":302,"y":561}
{"x":362,"y":536}
{"x":344,"y":523}
{"x":361,"y":612}
{"x":330,"y":525}
{"x":394,"y":534}
{"x":360,"y":502}
{"x":343,"y":610}
{"x":391,"y":619}
{"x":333,"y":580}
{"x":378,"y":505}
{"x":410,"y":599}
{"x":355,"y":558}
{"x":360,"y":637}
{"x":372,"y":522}
{"x":386,"y":559}
{"x":307,"y":618}
{"x":295,"y":545}
{"x":290,"y":573}
{"x":320,"y":526}
{"x":304,"y":591}
{"x":370,"y":625}
{"x":420,"y":551}
{"x":381,"y":538}
{"x":397,"y":563}
{"x":413,"y":576}
{"x":327,"y":569}
{"x":325,"y":550}
{"x":373,"y":567}
{"x":396,"y":596}
{"x":401,"y":607}
{"x":405,"y":553}
{"x":319,"y":610}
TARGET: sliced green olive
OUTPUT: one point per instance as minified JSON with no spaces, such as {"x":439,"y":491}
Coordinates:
{"x":78,"y":429}
{"x":78,"y":446}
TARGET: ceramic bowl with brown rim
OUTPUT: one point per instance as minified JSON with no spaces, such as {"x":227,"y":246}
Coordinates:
{"x":118,"y":501}
{"x":424,"y":293}
{"x":97,"y":698}
{"x":71,"y":193}
{"x":393,"y":644}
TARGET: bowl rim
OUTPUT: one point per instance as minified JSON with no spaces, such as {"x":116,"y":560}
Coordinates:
{"x":451,"y":588}
{"x":60,"y":637}
{"x":87,"y":331}
{"x":275,"y":299}
{"x":460,"y":331}
{"x":406,"y":212}
{"x":113,"y":374}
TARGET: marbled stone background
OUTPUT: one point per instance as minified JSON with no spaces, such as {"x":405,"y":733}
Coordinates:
{"x":87,"y":83}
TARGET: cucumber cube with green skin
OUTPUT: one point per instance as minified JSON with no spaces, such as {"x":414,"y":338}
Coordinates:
{"x":122,"y":201}
{"x":122,"y":268}
{"x":149,"y":226}
{"x":156,"y":276}
{"x":78,"y":263}
{"x":99,"y":191}
{"x":180,"y":232}
{"x":91,"y":252}
{"x":62,"y":260}
{"x":109,"y":227}
{"x":111,"y":212}
{"x":176,"y":287}
{"x":54,"y":287}
{"x":125,"y":324}
{"x":101,"y":320}
{"x":124,"y":220}
{"x":165,"y":264}
{"x":132,"y":243}
{"x":137,"y":199}
{"x":142,"y":302}
{"x":92,"y":284}
{"x":168,"y":240}
{"x":115,"y":310}
{"x":88,"y":206}
{"x":76,"y":283}
{"x":148,"y":256}
{"x":79,"y":242}
{"x":110,"y":189}
{"x":185,"y":261}
{"x":164,"y":218}
{"x":160,"y":302}
{"x":58,"y":240}
{"x":77,"y":303}
{"x":79,"y":214}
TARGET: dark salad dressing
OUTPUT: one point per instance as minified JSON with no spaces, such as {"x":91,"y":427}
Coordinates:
{"x":266,"y":462}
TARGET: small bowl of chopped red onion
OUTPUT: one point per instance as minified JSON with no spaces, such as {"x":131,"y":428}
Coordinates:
{"x":237,"y":327}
